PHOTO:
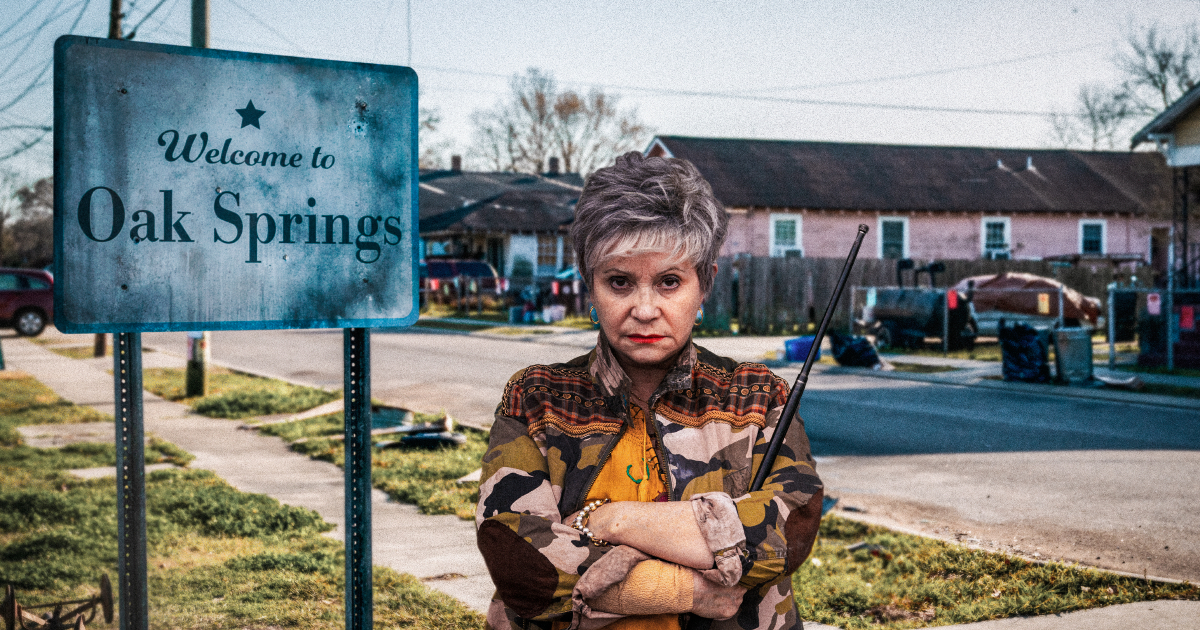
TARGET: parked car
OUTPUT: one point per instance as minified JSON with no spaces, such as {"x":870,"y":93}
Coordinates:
{"x":26,"y":300}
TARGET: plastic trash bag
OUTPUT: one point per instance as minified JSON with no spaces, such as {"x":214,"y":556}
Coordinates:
{"x":1025,"y":353}
{"x":853,"y":351}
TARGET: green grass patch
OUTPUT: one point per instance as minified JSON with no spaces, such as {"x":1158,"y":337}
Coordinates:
{"x":914,"y":582}
{"x":437,"y":324}
{"x":922,"y":368}
{"x":218,"y":557}
{"x":1160,"y":370}
{"x":236,"y":395}
{"x":23,"y":401}
{"x":424,"y":477}
{"x":85,"y":352}
{"x":981,"y":352}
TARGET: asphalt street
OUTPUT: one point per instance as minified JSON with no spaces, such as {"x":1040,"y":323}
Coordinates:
{"x":1101,"y":483}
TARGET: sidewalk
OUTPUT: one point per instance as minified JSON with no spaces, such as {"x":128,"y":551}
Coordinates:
{"x":433,"y":548}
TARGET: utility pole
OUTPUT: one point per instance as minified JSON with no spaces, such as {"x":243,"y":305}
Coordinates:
{"x":199,"y":23}
{"x":198,"y":342}
{"x":100,"y":341}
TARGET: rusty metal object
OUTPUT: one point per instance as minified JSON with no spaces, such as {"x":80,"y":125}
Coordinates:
{"x":17,"y":617}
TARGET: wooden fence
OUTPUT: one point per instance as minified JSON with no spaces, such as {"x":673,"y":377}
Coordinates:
{"x":781,"y":296}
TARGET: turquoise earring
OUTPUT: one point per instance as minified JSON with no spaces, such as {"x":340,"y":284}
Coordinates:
{"x":700,"y":315}
{"x":595,"y":316}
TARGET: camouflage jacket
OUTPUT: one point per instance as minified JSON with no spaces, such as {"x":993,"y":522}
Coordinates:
{"x":556,"y":427}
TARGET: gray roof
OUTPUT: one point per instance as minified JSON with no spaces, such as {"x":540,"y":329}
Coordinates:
{"x":465,"y":201}
{"x":881,"y":177}
{"x":1166,"y":120}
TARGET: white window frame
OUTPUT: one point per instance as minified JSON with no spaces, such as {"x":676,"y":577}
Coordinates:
{"x":1103,"y":223}
{"x":879,"y":239}
{"x":983,"y":223}
{"x":779,"y":251}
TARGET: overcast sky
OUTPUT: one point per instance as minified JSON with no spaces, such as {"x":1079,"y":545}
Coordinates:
{"x":782,"y":69}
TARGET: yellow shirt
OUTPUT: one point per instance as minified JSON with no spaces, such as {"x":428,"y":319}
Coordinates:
{"x":632,"y":473}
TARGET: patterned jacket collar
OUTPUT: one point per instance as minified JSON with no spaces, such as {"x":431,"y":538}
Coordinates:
{"x":611,"y":379}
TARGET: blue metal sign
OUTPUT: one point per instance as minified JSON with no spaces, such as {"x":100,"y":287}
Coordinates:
{"x":200,"y":189}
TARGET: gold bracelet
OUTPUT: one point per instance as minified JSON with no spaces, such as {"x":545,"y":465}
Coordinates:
{"x":581,"y":520}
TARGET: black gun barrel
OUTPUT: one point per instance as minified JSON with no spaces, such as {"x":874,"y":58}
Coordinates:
{"x":793,"y":401}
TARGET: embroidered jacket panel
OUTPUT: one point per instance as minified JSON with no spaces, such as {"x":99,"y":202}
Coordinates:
{"x":557,"y":425}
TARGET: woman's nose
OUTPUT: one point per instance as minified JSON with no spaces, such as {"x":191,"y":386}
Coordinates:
{"x":645,"y":306}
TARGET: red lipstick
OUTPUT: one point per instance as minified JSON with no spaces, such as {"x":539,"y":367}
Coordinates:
{"x":646,"y":338}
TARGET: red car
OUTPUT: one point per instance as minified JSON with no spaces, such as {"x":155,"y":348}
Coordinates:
{"x":26,"y":300}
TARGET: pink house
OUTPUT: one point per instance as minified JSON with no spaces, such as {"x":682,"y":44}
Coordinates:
{"x":794,"y":198}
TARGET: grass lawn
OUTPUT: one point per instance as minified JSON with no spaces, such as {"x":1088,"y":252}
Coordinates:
{"x":218,"y":558}
{"x":921,"y":368}
{"x":236,"y":395}
{"x":85,"y":352}
{"x":23,"y":401}
{"x":981,"y":352}
{"x":420,"y":476}
{"x":913,"y":582}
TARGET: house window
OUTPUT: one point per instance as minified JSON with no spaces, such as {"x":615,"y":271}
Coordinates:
{"x":786,"y":235}
{"x":547,"y":245}
{"x":1092,"y":237}
{"x":893,"y":237}
{"x":997,"y":238}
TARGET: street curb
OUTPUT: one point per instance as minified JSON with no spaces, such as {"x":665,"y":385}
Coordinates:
{"x":1150,"y":400}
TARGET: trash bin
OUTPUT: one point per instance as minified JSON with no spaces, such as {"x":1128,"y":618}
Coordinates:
{"x":516,"y":314}
{"x":1073,"y":355}
{"x":1025,"y":353}
{"x":798,"y":348}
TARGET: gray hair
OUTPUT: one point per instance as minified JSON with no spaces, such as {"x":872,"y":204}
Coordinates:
{"x":648,"y":204}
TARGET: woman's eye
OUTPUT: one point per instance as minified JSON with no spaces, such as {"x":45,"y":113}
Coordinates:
{"x":618,"y":282}
{"x":670,"y":282}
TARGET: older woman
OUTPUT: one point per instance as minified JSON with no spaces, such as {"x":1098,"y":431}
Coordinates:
{"x":615,"y":486}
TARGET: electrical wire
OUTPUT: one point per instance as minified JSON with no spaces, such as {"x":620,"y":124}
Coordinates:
{"x":270,"y":28}
{"x":36,"y":82}
{"x":926,"y":73}
{"x":133,"y":31}
{"x":32,"y":37}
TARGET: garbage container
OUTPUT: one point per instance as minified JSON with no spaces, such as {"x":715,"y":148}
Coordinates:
{"x":516,"y":314}
{"x":1073,"y":355}
{"x":798,"y":348}
{"x":1024,"y":353}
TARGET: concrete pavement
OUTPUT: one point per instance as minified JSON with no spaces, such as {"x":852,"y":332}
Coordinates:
{"x":220,"y":447}
{"x":438,"y":549}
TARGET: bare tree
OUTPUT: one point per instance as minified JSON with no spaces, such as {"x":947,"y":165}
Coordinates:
{"x":1101,"y":116}
{"x":432,"y":147}
{"x":31,"y":234}
{"x":10,"y":204}
{"x":591,"y":131}
{"x":1156,"y":69}
{"x":539,"y":121}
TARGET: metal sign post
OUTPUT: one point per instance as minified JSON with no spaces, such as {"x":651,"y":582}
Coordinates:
{"x":131,"y":482}
{"x":200,"y":189}
{"x":357,"y":397}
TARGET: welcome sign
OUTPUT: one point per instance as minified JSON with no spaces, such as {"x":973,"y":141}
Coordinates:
{"x":199,"y":189}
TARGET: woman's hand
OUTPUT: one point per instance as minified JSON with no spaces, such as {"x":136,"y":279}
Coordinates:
{"x":714,"y":601}
{"x":664,"y":530}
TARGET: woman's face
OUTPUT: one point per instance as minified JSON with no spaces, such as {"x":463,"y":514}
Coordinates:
{"x":647,"y":304}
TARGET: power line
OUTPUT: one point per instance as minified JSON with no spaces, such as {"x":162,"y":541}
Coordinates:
{"x":263,"y":24}
{"x":777,"y":99}
{"x":32,"y":38}
{"x":36,"y":82}
{"x":927,"y":73}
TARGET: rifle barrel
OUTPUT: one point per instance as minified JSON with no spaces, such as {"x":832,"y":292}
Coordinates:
{"x":793,"y":401}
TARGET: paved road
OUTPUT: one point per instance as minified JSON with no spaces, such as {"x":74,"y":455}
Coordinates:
{"x":1102,"y":483}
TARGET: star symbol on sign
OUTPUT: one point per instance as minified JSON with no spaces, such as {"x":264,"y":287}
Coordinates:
{"x":250,"y":115}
